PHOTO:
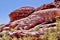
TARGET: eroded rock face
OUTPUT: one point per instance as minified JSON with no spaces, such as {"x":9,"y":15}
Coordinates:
{"x":23,"y":24}
{"x":38,"y":17}
{"x":55,"y":4}
{"x":46,"y":6}
{"x":27,"y":10}
{"x":21,"y":13}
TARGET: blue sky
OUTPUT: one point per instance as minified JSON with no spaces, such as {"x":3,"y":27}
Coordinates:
{"x":7,"y":6}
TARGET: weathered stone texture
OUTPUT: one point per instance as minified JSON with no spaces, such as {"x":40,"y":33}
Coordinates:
{"x":21,"y":13}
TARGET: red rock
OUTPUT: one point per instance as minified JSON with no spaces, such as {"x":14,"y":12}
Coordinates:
{"x":55,"y":4}
{"x":21,"y":13}
{"x":56,"y":0}
{"x":38,"y":17}
{"x":46,"y":6}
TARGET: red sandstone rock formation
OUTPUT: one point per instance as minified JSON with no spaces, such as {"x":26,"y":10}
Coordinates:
{"x":46,"y":6}
{"x":55,"y":4}
{"x":43,"y":15}
{"x":21,"y":13}
{"x":26,"y":11}
{"x":38,"y":17}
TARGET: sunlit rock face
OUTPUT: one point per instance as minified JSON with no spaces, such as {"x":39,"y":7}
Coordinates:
{"x":55,"y":4}
{"x":46,"y":6}
{"x":27,"y":10}
{"x":36,"y":18}
{"x":21,"y":13}
{"x":28,"y":21}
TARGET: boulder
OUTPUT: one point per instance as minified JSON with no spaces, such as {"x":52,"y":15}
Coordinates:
{"x":21,"y":13}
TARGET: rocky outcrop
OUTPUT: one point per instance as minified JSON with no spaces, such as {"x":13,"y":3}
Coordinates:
{"x":21,"y":13}
{"x":38,"y":17}
{"x":55,"y":4}
{"x":30,"y":21}
{"x":27,"y":10}
{"x":19,"y":16}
